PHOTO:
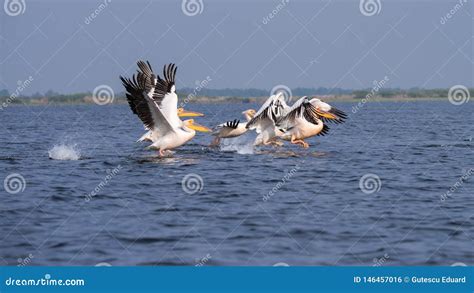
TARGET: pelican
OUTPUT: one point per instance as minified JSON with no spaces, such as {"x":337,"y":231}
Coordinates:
{"x":154,"y":101}
{"x":265,"y":118}
{"x":232,"y":128}
{"x":306,"y":118}
{"x":181,"y":113}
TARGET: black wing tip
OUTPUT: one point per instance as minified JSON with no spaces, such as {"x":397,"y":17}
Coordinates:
{"x":324,"y":131}
{"x":123,"y":79}
{"x":232,"y":123}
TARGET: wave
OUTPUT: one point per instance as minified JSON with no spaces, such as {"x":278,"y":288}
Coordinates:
{"x":64,"y":152}
{"x":239,"y":145}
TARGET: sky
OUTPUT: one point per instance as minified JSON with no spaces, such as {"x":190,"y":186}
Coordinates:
{"x":76,"y":46}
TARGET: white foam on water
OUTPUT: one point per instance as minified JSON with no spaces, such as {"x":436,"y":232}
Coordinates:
{"x":239,"y":145}
{"x":64,"y":152}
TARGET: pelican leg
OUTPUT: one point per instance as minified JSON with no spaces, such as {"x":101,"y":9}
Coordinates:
{"x":276,"y":143}
{"x":300,"y":142}
{"x":272,"y":143}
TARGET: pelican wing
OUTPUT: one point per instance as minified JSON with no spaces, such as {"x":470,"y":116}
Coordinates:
{"x":301,"y":109}
{"x":268,"y":112}
{"x":232,"y":124}
{"x":164,"y":90}
{"x":229,"y":125}
{"x":141,"y":104}
{"x":324,"y":131}
{"x":340,"y":116}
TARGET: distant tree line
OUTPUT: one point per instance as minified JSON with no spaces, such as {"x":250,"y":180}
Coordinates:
{"x":235,"y":94}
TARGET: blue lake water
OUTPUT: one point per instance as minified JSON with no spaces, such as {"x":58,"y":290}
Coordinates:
{"x":114,"y":202}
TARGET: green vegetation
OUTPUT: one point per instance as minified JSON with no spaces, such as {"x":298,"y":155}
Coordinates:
{"x":205,"y":95}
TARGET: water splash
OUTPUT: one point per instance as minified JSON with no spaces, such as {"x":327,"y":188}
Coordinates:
{"x":240,"y":145}
{"x":64,"y":152}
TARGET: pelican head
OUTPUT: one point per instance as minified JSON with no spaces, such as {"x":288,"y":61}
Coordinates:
{"x":184,"y":113}
{"x":249,"y":113}
{"x":322,"y":109}
{"x":195,"y":126}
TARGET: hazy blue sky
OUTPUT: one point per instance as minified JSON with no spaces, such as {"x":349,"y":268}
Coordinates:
{"x":236,"y":44}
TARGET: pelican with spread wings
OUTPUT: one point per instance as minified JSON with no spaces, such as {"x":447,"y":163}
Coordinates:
{"x":264,"y":121}
{"x":153,"y":99}
{"x":306,"y":118}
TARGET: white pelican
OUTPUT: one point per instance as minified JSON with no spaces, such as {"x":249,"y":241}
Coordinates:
{"x":154,"y":101}
{"x":181,"y":113}
{"x":265,"y":118}
{"x":231,"y":128}
{"x":306,"y":118}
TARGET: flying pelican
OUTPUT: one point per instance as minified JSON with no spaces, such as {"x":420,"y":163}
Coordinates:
{"x":265,"y":119}
{"x":154,"y":101}
{"x":306,"y":118}
{"x":181,"y":113}
{"x":232,"y":128}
